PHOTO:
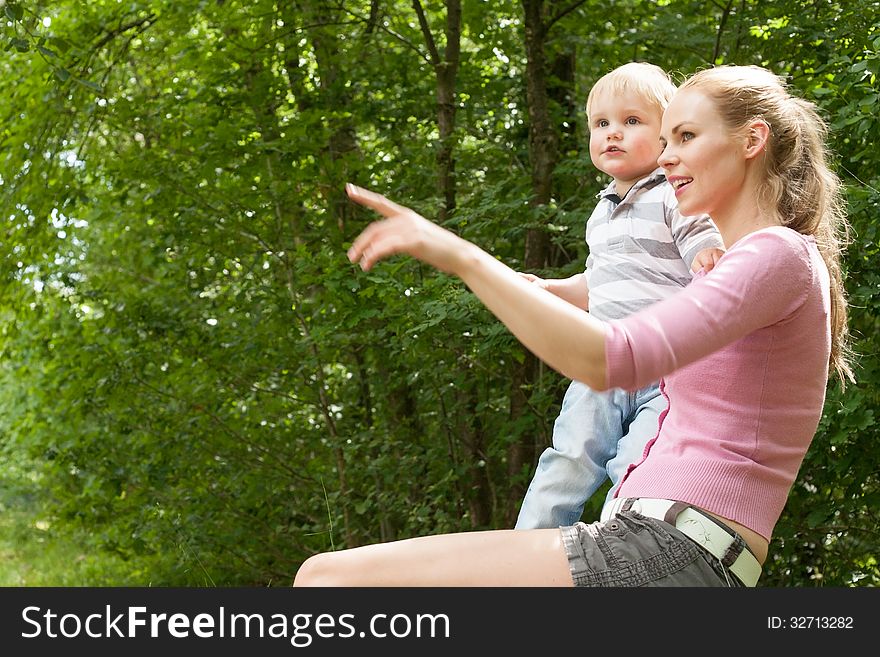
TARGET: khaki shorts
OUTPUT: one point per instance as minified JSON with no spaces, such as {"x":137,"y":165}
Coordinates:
{"x":633,"y":550}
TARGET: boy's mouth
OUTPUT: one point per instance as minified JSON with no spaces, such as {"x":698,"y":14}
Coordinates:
{"x":613,"y":149}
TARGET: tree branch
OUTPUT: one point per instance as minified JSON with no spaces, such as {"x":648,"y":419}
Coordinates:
{"x":409,"y":44}
{"x":374,"y":16}
{"x":122,"y":29}
{"x":426,"y":31}
{"x":724,"y":16}
{"x":561,"y":13}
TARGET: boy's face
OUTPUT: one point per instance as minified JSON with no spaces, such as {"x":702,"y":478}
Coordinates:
{"x":624,"y":137}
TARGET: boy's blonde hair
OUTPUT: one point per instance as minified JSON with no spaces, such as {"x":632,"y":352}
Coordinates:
{"x":649,"y":81}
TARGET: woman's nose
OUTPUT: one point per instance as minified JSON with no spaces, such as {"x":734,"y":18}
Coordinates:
{"x":667,"y":158}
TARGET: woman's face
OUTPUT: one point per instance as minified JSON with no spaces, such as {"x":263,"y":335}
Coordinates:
{"x":703,"y":161}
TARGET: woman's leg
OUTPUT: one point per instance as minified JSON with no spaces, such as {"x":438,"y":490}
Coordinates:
{"x":488,"y":558}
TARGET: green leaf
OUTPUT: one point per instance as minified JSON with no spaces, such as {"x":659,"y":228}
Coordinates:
{"x":90,"y":85}
{"x":817,"y":517}
{"x":14,"y":12}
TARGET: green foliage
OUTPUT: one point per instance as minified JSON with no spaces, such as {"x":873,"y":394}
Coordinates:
{"x":199,"y":389}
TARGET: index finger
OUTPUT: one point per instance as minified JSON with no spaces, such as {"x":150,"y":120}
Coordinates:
{"x":372,"y":200}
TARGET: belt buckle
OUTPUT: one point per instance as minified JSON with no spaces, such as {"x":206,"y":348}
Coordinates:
{"x":704,"y":532}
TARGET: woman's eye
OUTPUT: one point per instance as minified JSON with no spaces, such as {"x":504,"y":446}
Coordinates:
{"x":687,"y":136}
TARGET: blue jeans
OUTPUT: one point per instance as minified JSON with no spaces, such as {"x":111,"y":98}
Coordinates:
{"x":597,"y":435}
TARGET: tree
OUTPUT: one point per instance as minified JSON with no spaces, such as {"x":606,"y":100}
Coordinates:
{"x":198,"y":388}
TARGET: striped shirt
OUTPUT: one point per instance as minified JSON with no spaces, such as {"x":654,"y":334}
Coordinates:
{"x":641,"y":248}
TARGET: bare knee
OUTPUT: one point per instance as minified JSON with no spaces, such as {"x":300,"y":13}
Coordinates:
{"x":319,"y":570}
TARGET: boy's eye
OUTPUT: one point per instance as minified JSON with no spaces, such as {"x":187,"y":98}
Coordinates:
{"x":601,"y":123}
{"x":687,"y":136}
{"x":632,"y":121}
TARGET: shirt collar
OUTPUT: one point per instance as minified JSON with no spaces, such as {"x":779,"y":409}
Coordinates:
{"x":651,"y":180}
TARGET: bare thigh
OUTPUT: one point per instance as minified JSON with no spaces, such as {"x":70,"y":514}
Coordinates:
{"x":489,"y":558}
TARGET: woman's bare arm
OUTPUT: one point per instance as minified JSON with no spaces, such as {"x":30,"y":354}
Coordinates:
{"x":563,"y":336}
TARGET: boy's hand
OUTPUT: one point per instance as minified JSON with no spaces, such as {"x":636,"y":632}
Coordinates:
{"x":706,"y":260}
{"x":573,"y":289}
{"x":531,"y":278}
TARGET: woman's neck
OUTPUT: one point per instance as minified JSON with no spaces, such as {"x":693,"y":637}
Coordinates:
{"x":743,"y":216}
{"x":732,"y":234}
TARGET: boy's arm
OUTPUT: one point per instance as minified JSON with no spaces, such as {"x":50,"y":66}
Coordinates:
{"x":573,"y":289}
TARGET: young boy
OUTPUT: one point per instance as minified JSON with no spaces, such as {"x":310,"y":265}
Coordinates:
{"x":640,"y":251}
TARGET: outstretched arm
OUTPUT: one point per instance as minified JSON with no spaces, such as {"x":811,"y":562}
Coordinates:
{"x":567,"y":339}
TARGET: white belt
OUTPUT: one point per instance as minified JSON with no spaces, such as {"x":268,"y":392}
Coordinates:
{"x":717,"y":539}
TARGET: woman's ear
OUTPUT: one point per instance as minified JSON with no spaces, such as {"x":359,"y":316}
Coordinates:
{"x":757,"y":134}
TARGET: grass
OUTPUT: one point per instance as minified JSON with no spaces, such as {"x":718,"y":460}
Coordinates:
{"x":31,"y":554}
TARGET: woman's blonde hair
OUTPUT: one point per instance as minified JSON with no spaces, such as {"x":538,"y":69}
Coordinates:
{"x":799,"y":185}
{"x":649,"y":81}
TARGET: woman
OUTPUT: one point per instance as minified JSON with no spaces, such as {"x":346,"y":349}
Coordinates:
{"x":744,"y":351}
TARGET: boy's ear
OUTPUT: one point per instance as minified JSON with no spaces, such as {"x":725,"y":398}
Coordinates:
{"x":757,"y":134}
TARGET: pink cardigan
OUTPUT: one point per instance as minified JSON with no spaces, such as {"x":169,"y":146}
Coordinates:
{"x":744,"y":351}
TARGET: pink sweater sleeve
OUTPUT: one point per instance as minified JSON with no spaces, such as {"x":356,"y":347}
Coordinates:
{"x":760,"y":281}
